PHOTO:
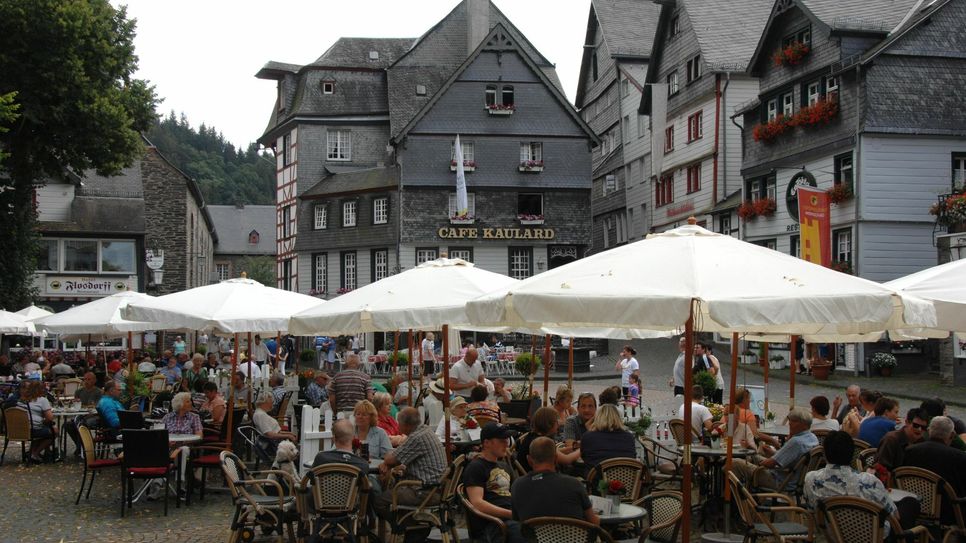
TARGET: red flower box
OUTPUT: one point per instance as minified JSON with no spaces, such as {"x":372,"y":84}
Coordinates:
{"x":765,"y":207}
{"x":839,"y":193}
{"x":790,"y":55}
{"x":746,"y":210}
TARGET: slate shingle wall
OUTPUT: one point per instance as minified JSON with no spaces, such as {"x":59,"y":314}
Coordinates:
{"x":335,"y":236}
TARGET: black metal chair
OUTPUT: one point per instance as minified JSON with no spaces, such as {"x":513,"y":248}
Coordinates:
{"x":133,"y":420}
{"x":258,"y":444}
{"x":147,"y":456}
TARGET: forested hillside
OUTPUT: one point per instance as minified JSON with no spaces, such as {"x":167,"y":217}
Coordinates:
{"x":227,"y":175}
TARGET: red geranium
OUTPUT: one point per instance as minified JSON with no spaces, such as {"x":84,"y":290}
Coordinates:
{"x":472,"y":424}
{"x":356,"y":443}
{"x":765,"y":207}
{"x":615,"y":487}
{"x":747,"y":210}
{"x":790,"y":55}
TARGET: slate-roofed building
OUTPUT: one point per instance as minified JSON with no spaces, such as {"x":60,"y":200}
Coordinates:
{"x":698,"y":76}
{"x":868,"y":84}
{"x":369,"y":159}
{"x":617,"y":52}
{"x":244,"y":232}
{"x":95,"y":231}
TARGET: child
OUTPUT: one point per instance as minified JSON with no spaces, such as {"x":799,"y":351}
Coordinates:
{"x":633,"y":398}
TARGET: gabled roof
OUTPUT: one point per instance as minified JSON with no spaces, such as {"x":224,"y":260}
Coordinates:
{"x":857,"y":16}
{"x":436,"y":55}
{"x":355,"y":52}
{"x":355,"y":181}
{"x":498,"y":30}
{"x":235,"y":223}
{"x":911,"y":22}
{"x":628,"y":28}
{"x":727,"y":30}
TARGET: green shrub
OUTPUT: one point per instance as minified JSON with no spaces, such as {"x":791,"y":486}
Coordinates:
{"x":706,"y":381}
{"x":398,"y":358}
{"x":527,"y":364}
{"x":201,"y":349}
{"x":307,"y":356}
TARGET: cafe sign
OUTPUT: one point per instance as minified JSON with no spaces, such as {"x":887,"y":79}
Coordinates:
{"x":451,"y":232}
{"x":57,"y":285}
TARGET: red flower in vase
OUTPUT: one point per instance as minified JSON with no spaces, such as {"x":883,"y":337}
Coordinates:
{"x":615,"y":487}
{"x":356,"y":443}
{"x":472,"y":424}
{"x":881,"y":473}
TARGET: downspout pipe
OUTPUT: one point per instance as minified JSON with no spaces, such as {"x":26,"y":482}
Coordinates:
{"x":724,"y":139}
{"x":717,"y":126}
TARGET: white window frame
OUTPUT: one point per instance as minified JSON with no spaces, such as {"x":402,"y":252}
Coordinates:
{"x":468,"y":151}
{"x":771,"y":189}
{"x":755,"y":188}
{"x":531,"y":150}
{"x":380,"y":210}
{"x":675,"y":26}
{"x":672,"y":83}
{"x":223,"y":271}
{"x":380,"y":264}
{"x":843,"y":245}
{"x":338,"y":145}
{"x":724,"y":224}
{"x":349,"y":213}
{"x":321,"y":217}
{"x":772,"y":108}
{"x":328,"y":87}
{"x":831,"y":84}
{"x":350,"y":271}
{"x":425,"y":254}
{"x":470,"y":204}
{"x":813,"y":92}
{"x":696,"y":125}
{"x":694,"y":68}
{"x":788,"y":104}
{"x":669,"y":138}
{"x":841,"y":164}
{"x":641,"y":127}
{"x":321,"y":264}
{"x":520,"y":262}
{"x":99,"y":262}
{"x":959,"y":170}
{"x":466,"y":254}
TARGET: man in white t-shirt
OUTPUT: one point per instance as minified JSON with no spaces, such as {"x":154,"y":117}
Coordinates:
{"x":259,"y":352}
{"x":700,"y":415}
{"x":466,"y":374}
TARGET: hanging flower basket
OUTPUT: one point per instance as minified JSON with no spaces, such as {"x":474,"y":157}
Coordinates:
{"x":790,"y":55}
{"x":951,"y":211}
{"x":462,"y":219}
{"x":765,"y":207}
{"x":839,"y":193}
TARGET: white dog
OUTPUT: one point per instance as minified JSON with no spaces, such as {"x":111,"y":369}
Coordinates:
{"x":285,"y":458}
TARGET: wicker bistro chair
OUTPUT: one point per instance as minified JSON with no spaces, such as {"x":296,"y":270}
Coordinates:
{"x":792,"y":479}
{"x":629,"y":471}
{"x":563,"y":530}
{"x":758,"y":525}
{"x":340,"y":495}
{"x":472,"y":511}
{"x":664,"y":512}
{"x":663,"y":463}
{"x":926,"y":485}
{"x":848,"y":519}
{"x":17,"y":422}
{"x":865,"y":459}
{"x":92,"y":464}
{"x":432,"y":512}
{"x":259,"y":502}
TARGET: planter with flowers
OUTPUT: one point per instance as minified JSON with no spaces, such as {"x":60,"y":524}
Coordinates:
{"x":319,"y":293}
{"x":839,"y":193}
{"x":842,"y":266}
{"x":462,"y":219}
{"x":765,"y":207}
{"x":614,"y":489}
{"x":343,"y":290}
{"x":746,"y":210}
{"x":951,"y":210}
{"x":531,"y":166}
{"x":821,"y":112}
{"x":500,"y":109}
{"x":468,"y":165}
{"x":530,"y":220}
{"x":790,"y":55}
{"x":885,"y":363}
{"x":769,"y":131}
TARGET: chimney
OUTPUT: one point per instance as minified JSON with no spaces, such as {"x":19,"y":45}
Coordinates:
{"x":477,"y":23}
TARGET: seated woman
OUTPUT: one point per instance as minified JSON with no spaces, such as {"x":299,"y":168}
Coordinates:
{"x":42,"y":430}
{"x":544,"y":423}
{"x":268,"y":426}
{"x":383,"y":403}
{"x":820,"y":418}
{"x":563,"y":404}
{"x":457,"y":409}
{"x":479,"y":406}
{"x":746,"y":429}
{"x":181,"y":420}
{"x":607,"y":438}
{"x":368,"y":430}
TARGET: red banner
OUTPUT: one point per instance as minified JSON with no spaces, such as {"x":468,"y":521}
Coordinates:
{"x":816,"y":228}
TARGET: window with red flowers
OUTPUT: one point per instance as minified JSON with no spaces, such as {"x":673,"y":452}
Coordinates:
{"x":695,"y":127}
{"x":694,"y":178}
{"x":669,"y":139}
{"x":664,"y":191}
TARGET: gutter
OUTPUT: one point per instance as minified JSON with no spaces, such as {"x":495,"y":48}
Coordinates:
{"x":717,"y":124}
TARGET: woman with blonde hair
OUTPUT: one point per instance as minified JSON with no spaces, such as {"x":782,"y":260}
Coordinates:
{"x":42,"y":429}
{"x":607,"y":438}
{"x":383,"y":404}
{"x":563,"y":402}
{"x":368,"y":430}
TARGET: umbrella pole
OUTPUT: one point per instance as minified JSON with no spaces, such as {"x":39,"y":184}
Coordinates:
{"x":791,"y":382}
{"x":570,"y":366}
{"x":395,"y":355}
{"x":546,"y":371}
{"x":686,"y":452}
{"x":422,"y":363}
{"x":278,"y":350}
{"x":248,"y":357}
{"x":130,"y":366}
{"x":231,"y":391}
{"x":446,"y":412}
{"x":412,"y":359}
{"x":732,"y":422}
{"x":765,"y":376}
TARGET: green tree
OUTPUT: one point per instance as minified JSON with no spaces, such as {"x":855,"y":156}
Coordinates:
{"x":71,"y":64}
{"x":259,"y":268}
{"x":8,"y":113}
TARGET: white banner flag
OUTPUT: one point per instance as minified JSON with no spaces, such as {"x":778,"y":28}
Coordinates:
{"x":462,"y":205}
{"x":658,"y":124}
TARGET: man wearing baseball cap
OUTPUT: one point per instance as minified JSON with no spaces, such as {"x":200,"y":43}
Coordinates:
{"x":487,"y":480}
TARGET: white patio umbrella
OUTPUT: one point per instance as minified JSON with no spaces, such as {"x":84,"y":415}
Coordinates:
{"x":692,"y":278}
{"x":945,"y":286}
{"x":32,"y":312}
{"x":100,"y":319}
{"x":12,"y":323}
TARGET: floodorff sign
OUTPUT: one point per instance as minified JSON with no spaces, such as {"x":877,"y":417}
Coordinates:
{"x":59,"y":285}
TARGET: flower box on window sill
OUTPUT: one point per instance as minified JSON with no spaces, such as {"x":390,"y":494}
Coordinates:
{"x":343,"y":290}
{"x":530,"y":220}
{"x":531,"y":166}
{"x":468,"y":166}
{"x":500,"y":109}
{"x":462,"y":220}
{"x":791,"y":55}
{"x":318,"y":293}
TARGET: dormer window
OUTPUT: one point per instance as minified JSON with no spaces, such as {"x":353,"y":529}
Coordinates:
{"x":253,"y":237}
{"x":803,"y":36}
{"x":507,"y":95}
{"x":675,"y":27}
{"x":499,"y":99}
{"x":328,"y":87}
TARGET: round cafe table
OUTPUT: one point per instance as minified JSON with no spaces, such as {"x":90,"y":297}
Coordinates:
{"x":626,"y":513}
{"x":61,"y":416}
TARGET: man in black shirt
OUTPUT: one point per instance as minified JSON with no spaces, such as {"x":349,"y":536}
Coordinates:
{"x":487,"y":479}
{"x":342,"y":433}
{"x":545,"y":493}
{"x":937,"y":456}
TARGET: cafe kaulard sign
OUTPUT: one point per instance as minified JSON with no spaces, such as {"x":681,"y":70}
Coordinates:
{"x":449,"y":232}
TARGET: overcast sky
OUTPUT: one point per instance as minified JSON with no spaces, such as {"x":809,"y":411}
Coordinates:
{"x":202,"y":55}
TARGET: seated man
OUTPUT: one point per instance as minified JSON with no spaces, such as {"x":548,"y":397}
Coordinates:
{"x":487,"y":480}
{"x":701,"y":418}
{"x":107,"y":408}
{"x":838,"y":478}
{"x":545,"y":493}
{"x":269,"y":427}
{"x":892,"y":448}
{"x":171,"y":372}
{"x":423,"y":459}
{"x":801,"y":442}
{"x":341,"y":453}
{"x":277,"y":382}
{"x":874,"y":428}
{"x":316,"y":392}
{"x":88,"y":393}
{"x":938,"y":456}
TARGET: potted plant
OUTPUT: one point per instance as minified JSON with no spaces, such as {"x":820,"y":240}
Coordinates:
{"x":398,"y":358}
{"x":748,"y":356}
{"x":820,"y":369}
{"x":526,"y":364}
{"x":613,"y":489}
{"x":640,"y":426}
{"x":884,"y":362}
{"x":776,"y":361}
{"x":839,"y":193}
{"x":706,"y":381}
{"x":790,"y":55}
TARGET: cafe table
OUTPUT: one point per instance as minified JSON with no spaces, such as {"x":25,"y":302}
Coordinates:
{"x":61,"y":416}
